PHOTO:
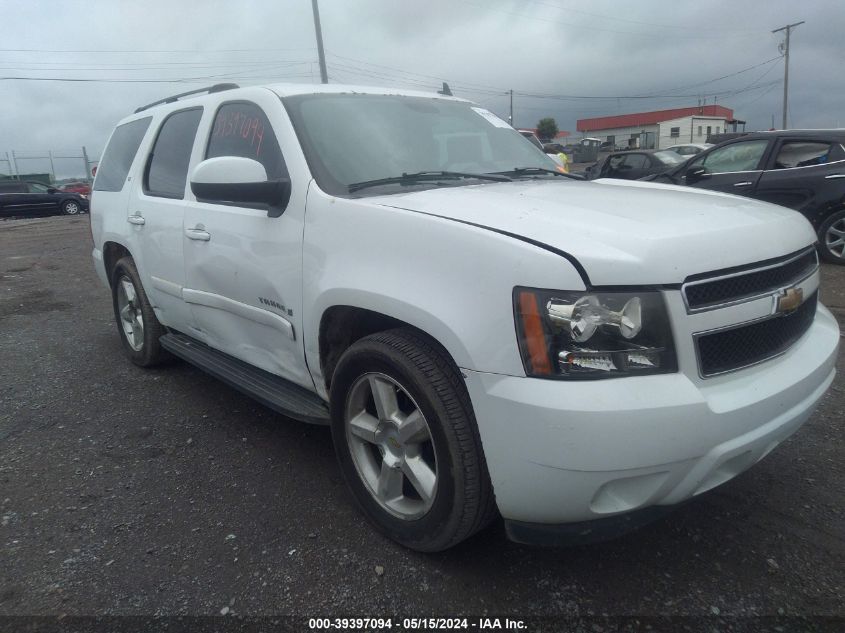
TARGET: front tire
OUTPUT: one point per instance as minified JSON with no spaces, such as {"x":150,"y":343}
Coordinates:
{"x":832,"y":238}
{"x":407,"y":442}
{"x":136,"y":321}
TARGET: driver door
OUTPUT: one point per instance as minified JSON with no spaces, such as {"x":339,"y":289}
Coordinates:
{"x":243,"y":269}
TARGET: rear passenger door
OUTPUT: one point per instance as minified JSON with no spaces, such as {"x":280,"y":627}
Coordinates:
{"x":156,"y":216}
{"x":13,"y":197}
{"x":243,"y":268}
{"x":807,"y":175}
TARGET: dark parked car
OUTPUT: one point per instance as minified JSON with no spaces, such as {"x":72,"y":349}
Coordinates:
{"x":800,"y":169}
{"x":34,"y":198}
{"x":631,"y":165}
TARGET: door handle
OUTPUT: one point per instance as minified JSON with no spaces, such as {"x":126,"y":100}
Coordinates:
{"x":832,"y":176}
{"x":744,"y":183}
{"x":136,"y":219}
{"x":197,"y":234}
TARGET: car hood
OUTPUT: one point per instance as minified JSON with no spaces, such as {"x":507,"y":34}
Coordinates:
{"x":623,"y":232}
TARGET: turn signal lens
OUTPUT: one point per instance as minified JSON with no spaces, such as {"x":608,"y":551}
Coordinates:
{"x":535,"y":338}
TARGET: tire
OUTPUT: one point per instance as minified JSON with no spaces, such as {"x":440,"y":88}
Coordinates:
{"x":378,"y":450}
{"x":136,"y":321}
{"x":832,"y":238}
{"x":71,"y":207}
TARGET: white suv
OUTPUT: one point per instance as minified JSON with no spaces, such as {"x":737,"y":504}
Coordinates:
{"x":483,"y":333}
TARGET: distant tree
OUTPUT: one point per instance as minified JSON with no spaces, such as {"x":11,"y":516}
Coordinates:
{"x":547,"y":128}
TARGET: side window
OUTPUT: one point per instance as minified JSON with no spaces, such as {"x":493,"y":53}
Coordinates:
{"x":615,"y":161}
{"x":121,"y":150}
{"x":242,"y":129}
{"x":13,"y":187}
{"x":744,"y":156}
{"x":802,"y":154}
{"x":167,"y":169}
{"x":37,"y":187}
{"x":636,"y":161}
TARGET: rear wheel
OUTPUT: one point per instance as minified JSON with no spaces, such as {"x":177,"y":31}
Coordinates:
{"x":832,"y":238}
{"x":136,"y":321}
{"x":71,"y":207}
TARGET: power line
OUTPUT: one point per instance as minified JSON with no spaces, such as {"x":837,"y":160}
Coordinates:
{"x":592,"y":28}
{"x":605,"y":16}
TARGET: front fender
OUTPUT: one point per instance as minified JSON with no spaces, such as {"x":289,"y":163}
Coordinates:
{"x":452,"y":280}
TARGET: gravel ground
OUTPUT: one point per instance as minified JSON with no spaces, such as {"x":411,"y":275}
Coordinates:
{"x":133,"y":492}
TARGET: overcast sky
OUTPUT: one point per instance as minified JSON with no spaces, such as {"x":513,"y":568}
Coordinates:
{"x":575,"y":59}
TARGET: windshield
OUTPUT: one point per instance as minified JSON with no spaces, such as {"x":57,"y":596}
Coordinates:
{"x":668,"y":157}
{"x":354,"y":138}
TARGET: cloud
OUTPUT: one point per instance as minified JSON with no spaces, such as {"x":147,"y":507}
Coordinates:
{"x":483,"y":48}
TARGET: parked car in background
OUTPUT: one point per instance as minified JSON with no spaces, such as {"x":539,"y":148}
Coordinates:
{"x":19,"y":197}
{"x":689,"y":149}
{"x":634,"y":164}
{"x":82,"y":188}
{"x":800,"y":169}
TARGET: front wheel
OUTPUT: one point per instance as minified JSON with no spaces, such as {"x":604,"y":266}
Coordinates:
{"x":832,"y":238}
{"x":407,"y":442}
{"x":71,"y":207}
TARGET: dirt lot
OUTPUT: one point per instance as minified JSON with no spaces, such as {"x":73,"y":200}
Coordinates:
{"x":132,"y":492}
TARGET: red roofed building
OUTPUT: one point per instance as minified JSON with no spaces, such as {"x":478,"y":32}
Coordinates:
{"x":660,"y":128}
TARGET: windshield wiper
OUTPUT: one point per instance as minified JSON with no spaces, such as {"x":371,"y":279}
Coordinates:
{"x":531,"y":171}
{"x":424,"y":176}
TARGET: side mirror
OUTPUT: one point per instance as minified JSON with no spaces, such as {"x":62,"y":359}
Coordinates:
{"x":233,"y":180}
{"x":52,"y":190}
{"x":696,"y":173}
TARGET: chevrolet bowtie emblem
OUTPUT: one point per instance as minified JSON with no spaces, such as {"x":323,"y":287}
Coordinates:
{"x":790,"y":299}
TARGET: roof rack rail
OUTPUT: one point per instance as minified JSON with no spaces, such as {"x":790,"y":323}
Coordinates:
{"x":174,"y":98}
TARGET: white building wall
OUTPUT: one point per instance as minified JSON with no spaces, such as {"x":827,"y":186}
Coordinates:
{"x":692,"y":129}
{"x":622,"y":134}
{"x":688,"y":133}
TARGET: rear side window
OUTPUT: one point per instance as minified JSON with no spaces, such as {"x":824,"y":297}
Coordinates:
{"x":13,"y":187}
{"x":167,"y":168}
{"x":242,"y":129}
{"x":121,"y":150}
{"x":802,"y":154}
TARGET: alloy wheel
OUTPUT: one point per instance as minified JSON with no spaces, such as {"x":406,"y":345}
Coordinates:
{"x":131,"y":317}
{"x":834,"y":238}
{"x":391,"y":446}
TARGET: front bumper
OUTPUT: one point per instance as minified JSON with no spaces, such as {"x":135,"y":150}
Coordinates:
{"x":564,"y":452}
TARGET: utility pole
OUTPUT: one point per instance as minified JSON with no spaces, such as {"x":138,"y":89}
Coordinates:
{"x":15,"y":166}
{"x":87,"y":164}
{"x":786,"y":28}
{"x":324,"y":75}
{"x":52,"y":166}
{"x":510,"y":118}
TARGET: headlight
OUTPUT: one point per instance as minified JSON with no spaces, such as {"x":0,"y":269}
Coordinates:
{"x":589,"y":335}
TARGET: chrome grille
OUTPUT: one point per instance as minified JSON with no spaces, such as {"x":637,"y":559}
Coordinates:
{"x":747,"y":344}
{"x":713,"y":290}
